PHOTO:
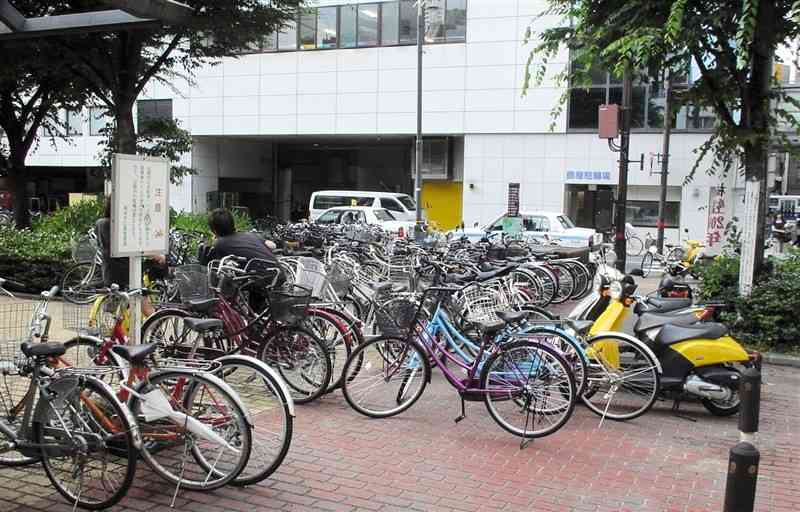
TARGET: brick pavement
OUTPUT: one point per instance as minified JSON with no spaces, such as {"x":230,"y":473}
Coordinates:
{"x":422,"y":461}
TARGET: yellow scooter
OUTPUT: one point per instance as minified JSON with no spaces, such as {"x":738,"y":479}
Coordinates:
{"x":696,"y":360}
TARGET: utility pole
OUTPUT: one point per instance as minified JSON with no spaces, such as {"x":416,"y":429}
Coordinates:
{"x":419,"y":147}
{"x":622,"y":187}
{"x":662,"y":200}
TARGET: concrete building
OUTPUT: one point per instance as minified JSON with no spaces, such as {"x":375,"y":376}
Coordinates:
{"x":331,"y":103}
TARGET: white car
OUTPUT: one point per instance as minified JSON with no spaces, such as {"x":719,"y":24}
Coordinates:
{"x":352,"y":215}
{"x":544,"y":226}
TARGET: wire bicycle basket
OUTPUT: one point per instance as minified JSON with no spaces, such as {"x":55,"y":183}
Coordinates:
{"x":192,"y":282}
{"x":85,"y":249}
{"x":15,"y":328}
{"x":287,"y":304}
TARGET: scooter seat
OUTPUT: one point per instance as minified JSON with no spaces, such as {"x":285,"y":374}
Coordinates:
{"x":671,"y":334}
{"x":665,"y":304}
{"x":652,"y":320}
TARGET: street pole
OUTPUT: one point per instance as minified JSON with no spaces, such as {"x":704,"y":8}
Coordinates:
{"x":418,"y":146}
{"x":662,"y":200}
{"x":622,"y":186}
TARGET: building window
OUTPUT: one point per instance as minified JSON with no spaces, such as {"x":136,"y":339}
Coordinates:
{"x":287,"y":37}
{"x":308,"y":29}
{"x":327,"y":33}
{"x":367,"y":24}
{"x":645,"y":214}
{"x":456,"y":21}
{"x":347,"y":26}
{"x":98,"y":120}
{"x":647,"y":98}
{"x":148,"y":111}
{"x":408,"y":22}
{"x":73,"y":123}
{"x":434,"y":21}
{"x":390,"y":23}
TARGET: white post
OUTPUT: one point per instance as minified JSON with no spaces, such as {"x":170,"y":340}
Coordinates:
{"x":749,"y":227}
{"x":135,"y":280}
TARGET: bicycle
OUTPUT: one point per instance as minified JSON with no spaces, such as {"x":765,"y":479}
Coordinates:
{"x":633,"y":244}
{"x":519,"y":377}
{"x":271,"y":401}
{"x":68,"y":419}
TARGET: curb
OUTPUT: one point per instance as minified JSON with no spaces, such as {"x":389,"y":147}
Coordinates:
{"x":781,"y":359}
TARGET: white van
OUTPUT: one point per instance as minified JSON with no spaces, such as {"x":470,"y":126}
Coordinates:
{"x":402,"y":206}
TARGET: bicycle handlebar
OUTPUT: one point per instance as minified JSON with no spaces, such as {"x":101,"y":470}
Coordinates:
{"x":12,"y":283}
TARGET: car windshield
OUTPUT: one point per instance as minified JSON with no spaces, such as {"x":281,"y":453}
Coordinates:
{"x":383,"y":215}
{"x":407,"y":202}
{"x":566,"y":222}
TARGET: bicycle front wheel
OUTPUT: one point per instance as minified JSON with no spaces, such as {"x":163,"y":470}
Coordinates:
{"x":301,"y":359}
{"x":634,"y":246}
{"x":203,"y":441}
{"x":529,"y":389}
{"x":81,"y":282}
{"x":623,"y":380}
{"x":268,"y":405}
{"x":89,"y":437}
{"x":385,"y":376}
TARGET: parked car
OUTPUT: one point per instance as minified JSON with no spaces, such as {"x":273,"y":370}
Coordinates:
{"x":365,"y":215}
{"x":544,"y":226}
{"x":402,"y":206}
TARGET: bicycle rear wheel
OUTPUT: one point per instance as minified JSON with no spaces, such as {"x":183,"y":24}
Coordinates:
{"x":81,"y":282}
{"x":206,"y":440}
{"x":634,"y":246}
{"x":647,"y":264}
{"x":93,"y":456}
{"x":529,"y":389}
{"x":385,"y":376}
{"x":566,"y":283}
{"x":13,"y":391}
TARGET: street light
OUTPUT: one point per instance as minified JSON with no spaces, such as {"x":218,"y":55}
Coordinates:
{"x":418,"y":142}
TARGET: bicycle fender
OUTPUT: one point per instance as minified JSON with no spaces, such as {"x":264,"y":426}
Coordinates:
{"x":267,"y":369}
{"x":636,"y":341}
{"x":213,"y":378}
{"x":64,"y":384}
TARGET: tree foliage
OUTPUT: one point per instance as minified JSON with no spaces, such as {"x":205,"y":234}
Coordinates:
{"x":730,"y":42}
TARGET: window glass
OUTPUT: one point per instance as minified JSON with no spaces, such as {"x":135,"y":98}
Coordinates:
{"x":287,"y":38}
{"x":97,"y":120}
{"x":408,"y":22}
{"x":498,"y":224}
{"x":73,"y":123}
{"x":540,"y":224}
{"x":391,"y":204}
{"x":456,"y":20}
{"x":583,"y":106}
{"x":382,"y":215}
{"x":347,"y":26}
{"x":308,"y":29}
{"x":434,"y":157}
{"x":390,"y":23}
{"x":367,"y":24}
{"x":566,"y":222}
{"x":434,"y":21}
{"x":329,"y":217}
{"x":645,"y":213}
{"x":326,"y":27}
{"x":408,"y":202}
{"x":270,"y":43}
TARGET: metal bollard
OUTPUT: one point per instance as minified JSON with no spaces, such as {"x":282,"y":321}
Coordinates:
{"x":740,"y":488}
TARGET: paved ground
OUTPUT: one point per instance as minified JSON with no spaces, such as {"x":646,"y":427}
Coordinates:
{"x":422,"y":461}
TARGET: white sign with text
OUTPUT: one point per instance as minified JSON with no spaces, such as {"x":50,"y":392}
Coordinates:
{"x":140,"y":200}
{"x":749,"y":231}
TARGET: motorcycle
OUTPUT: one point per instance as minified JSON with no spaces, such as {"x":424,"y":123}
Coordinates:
{"x":698,"y":359}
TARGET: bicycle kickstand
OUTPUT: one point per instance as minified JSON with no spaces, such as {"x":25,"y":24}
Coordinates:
{"x":463,"y":412}
{"x":676,"y":405}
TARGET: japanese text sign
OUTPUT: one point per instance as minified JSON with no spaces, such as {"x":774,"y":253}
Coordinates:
{"x":140,"y":200}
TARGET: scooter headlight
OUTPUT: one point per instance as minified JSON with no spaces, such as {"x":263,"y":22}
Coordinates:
{"x":615,"y":290}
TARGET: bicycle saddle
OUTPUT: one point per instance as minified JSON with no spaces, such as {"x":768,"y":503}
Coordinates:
{"x":134,"y":353}
{"x":202,"y":306}
{"x":489,"y":329}
{"x":485,"y":276}
{"x":671,"y":334}
{"x":43,"y":349}
{"x":513,"y":317}
{"x":201,"y":325}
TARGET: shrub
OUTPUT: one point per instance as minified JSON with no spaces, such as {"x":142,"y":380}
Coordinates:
{"x":720,"y":279}
{"x":76,"y":219}
{"x":184,"y":221}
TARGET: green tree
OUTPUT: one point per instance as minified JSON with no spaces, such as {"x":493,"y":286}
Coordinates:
{"x":35,"y":82}
{"x":732,"y":43}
